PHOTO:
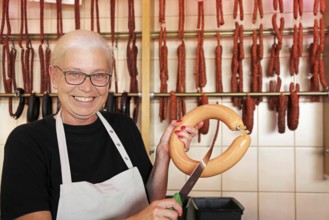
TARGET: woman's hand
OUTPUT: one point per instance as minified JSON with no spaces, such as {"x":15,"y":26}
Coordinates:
{"x":158,"y":179}
{"x":160,"y":209}
{"x":186,"y":135}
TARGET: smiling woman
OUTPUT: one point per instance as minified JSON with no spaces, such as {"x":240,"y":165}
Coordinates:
{"x":85,"y":151}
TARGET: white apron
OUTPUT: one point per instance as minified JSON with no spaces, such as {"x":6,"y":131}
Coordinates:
{"x":119,"y":197}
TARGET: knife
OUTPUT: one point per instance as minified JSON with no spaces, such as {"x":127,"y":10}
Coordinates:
{"x":181,"y":196}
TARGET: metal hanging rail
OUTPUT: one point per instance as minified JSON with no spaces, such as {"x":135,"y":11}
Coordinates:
{"x":171,"y":34}
{"x":192,"y":94}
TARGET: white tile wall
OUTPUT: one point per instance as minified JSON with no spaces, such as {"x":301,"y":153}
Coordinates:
{"x":281,"y":175}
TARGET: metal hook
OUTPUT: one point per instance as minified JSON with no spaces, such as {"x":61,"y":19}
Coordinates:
{"x":47,"y":40}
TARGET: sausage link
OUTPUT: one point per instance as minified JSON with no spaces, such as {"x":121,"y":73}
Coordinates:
{"x":221,"y":163}
{"x":293,"y":108}
{"x":282,"y":107}
{"x":300,"y":39}
{"x":316,"y":7}
{"x":322,"y":75}
{"x":322,"y":6}
{"x":300,"y":7}
{"x":173,"y":106}
{"x":218,"y":58}
{"x":248,"y":113}
{"x":254,"y":14}
{"x":322,"y":35}
{"x":205,"y":128}
{"x":275,"y":5}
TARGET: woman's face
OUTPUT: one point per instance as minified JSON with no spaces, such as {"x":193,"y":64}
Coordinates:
{"x":79,"y":103}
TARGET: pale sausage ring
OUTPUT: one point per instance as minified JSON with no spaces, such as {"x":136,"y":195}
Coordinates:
{"x":222,"y":162}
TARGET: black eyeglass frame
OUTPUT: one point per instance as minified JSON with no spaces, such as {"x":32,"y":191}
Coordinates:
{"x":85,"y":76}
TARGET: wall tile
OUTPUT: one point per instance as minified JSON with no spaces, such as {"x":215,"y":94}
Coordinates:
{"x":268,"y":131}
{"x":243,"y":176}
{"x":276,"y":206}
{"x":309,"y":170}
{"x":312,"y":206}
{"x":276,"y":169}
{"x":313,"y":123}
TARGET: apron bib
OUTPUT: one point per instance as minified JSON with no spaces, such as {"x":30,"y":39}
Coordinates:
{"x":119,"y":197}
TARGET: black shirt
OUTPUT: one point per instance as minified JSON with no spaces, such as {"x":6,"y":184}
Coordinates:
{"x":31,"y":175}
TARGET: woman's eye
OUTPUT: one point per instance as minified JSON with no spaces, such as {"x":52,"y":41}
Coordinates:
{"x":74,"y":74}
{"x":99,"y":76}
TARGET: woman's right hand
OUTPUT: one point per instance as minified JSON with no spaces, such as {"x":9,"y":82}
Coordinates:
{"x":160,"y":209}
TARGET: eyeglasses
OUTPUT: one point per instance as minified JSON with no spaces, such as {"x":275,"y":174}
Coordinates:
{"x":77,"y":77}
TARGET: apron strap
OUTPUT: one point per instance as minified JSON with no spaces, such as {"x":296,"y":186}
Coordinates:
{"x":63,"y":154}
{"x":116,"y":141}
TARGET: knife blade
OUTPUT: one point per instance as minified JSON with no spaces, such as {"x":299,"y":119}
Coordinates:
{"x":181,"y":196}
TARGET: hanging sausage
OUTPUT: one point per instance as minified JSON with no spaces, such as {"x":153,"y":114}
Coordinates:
{"x":59,"y":18}
{"x":293,"y":107}
{"x":237,"y":70}
{"x":163,"y":61}
{"x":200,"y":63}
{"x":77,"y":14}
{"x":93,"y":8}
{"x":131,"y":54}
{"x":238,"y":5}
{"x":44,"y":58}
{"x":218,"y":64}
{"x":181,"y":68}
{"x":258,"y":8}
{"x":219,"y":13}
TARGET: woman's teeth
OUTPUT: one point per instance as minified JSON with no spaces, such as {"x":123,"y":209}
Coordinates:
{"x":83,"y":99}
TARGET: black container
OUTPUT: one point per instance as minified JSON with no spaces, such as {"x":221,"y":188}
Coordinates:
{"x":208,"y":208}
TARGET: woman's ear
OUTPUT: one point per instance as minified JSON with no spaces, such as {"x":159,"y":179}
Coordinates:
{"x":52,"y":74}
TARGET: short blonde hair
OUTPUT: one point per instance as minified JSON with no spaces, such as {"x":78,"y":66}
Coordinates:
{"x":80,"y":39}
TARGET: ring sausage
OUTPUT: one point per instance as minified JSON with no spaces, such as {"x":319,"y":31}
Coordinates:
{"x":224,"y":161}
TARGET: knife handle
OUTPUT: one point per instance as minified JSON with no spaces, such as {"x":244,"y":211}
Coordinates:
{"x":178,"y":199}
